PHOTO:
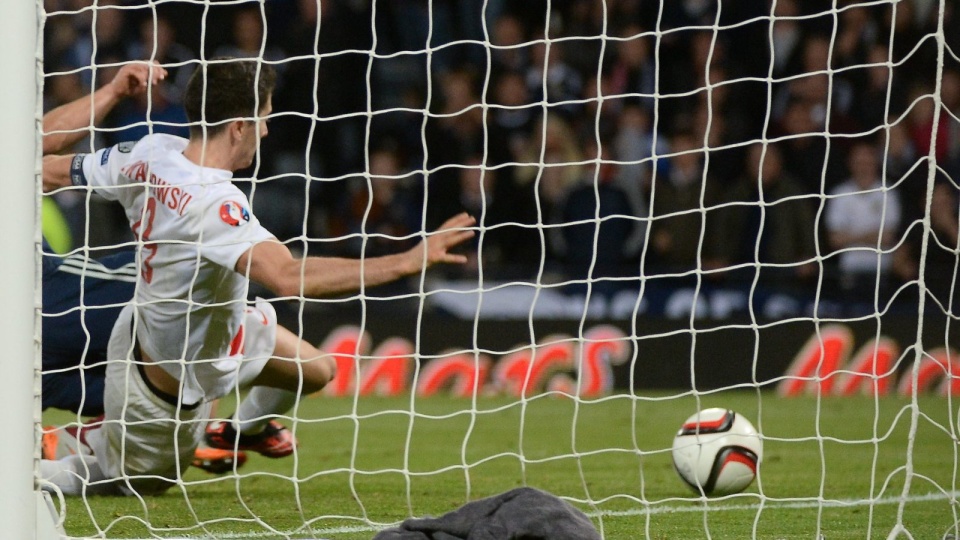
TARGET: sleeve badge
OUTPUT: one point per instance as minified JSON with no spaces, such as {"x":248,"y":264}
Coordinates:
{"x":234,"y":214}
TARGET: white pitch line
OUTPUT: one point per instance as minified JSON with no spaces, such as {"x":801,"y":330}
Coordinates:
{"x":843,"y":503}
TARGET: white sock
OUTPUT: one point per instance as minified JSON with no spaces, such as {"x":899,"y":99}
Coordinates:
{"x":254,"y":412}
{"x":72,"y":473}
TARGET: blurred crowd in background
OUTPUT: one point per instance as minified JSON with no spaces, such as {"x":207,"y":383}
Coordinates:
{"x":703,"y":141}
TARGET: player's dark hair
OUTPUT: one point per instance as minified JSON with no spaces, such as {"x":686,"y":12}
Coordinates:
{"x":226,"y":89}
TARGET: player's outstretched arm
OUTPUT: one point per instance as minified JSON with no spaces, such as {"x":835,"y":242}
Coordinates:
{"x":64,"y":125}
{"x":272,"y":265}
{"x":56,"y":172}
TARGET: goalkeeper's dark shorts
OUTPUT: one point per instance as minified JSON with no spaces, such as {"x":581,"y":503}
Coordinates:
{"x":81,"y":301}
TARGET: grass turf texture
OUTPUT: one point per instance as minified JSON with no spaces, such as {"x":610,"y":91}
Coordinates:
{"x":824,"y":460}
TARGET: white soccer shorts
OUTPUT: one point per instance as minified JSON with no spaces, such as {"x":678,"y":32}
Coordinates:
{"x":145,"y":442}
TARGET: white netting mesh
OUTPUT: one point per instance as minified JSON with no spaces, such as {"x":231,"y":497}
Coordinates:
{"x":680,"y":205}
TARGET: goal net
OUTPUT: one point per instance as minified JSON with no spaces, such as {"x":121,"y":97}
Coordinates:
{"x":748,"y":205}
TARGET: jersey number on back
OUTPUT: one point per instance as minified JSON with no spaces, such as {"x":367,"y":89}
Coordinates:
{"x":149,"y":248}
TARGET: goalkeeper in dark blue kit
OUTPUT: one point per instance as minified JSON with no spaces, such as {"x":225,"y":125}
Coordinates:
{"x":82,"y":297}
{"x":81,"y":301}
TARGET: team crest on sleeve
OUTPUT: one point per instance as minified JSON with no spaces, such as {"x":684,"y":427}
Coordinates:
{"x":234,"y":214}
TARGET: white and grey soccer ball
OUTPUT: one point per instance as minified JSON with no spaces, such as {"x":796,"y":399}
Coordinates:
{"x":717,"y":451}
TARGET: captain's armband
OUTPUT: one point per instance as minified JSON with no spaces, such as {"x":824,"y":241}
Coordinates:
{"x":77,"y":177}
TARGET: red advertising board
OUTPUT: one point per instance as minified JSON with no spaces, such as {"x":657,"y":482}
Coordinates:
{"x":392,"y":353}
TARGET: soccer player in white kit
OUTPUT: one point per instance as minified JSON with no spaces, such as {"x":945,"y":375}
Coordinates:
{"x":74,"y":338}
{"x":190,"y":335}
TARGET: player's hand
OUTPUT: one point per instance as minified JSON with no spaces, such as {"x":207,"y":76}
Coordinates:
{"x":452,"y":233}
{"x":134,"y":78}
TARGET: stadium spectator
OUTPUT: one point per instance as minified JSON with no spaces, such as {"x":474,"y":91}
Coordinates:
{"x":412,"y":24}
{"x":478,"y":197}
{"x":767,"y":220}
{"x":707,"y":51}
{"x":381,"y":212}
{"x":553,"y":81}
{"x":724,"y":157}
{"x":941,"y":261}
{"x":61,"y":88}
{"x":461,"y":122}
{"x":333,"y":90}
{"x":158,"y":41}
{"x":551,"y":162}
{"x":60,"y":36}
{"x":634,"y":146}
{"x":595,"y":249}
{"x":905,"y":168}
{"x":490,"y":194}
{"x":877,"y":94}
{"x":787,"y":38}
{"x":856,"y":34}
{"x":817,"y":88}
{"x":901,"y":19}
{"x":680,"y":200}
{"x":583,"y":21}
{"x":457,"y":131}
{"x":900,"y":153}
{"x":805,"y":152}
{"x":920,"y":117}
{"x":548,"y":167}
{"x":458,"y":33}
{"x":862,"y":220}
{"x":686,"y":14}
{"x":511,"y":50}
{"x":950,"y":103}
{"x":512,"y":117}
{"x":138,"y":456}
{"x":247,"y":40}
{"x":598,"y":114}
{"x":950,"y":18}
{"x":99,"y":42}
{"x":633,"y":71}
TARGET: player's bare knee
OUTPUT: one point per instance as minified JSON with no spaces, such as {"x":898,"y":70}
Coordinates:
{"x":318,"y":373}
{"x":331,"y":364}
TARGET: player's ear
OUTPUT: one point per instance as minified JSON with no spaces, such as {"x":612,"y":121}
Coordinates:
{"x":236,"y":129}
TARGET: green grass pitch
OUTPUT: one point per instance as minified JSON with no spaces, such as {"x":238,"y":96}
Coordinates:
{"x":831,"y":466}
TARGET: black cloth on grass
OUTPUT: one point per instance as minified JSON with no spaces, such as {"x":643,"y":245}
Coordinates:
{"x":519,"y":514}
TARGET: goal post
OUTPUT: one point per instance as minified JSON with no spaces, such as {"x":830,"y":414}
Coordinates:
{"x":23,"y":508}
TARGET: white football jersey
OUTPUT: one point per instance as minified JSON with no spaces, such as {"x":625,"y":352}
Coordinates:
{"x":194,"y":225}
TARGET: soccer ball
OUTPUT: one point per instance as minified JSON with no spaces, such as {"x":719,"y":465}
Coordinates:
{"x":716,"y":452}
